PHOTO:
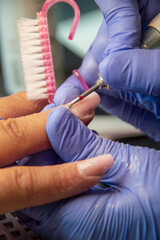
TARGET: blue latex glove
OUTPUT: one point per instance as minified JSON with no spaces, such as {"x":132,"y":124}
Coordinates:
{"x":128,"y":209}
{"x":120,"y":37}
{"x":134,"y":69}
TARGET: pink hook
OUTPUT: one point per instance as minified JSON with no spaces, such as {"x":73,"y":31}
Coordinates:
{"x":75,"y":7}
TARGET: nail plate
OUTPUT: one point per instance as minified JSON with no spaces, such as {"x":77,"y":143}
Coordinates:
{"x":87,"y":105}
{"x":96,"y":166}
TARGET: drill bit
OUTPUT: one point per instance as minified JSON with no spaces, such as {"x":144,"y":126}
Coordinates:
{"x":99,"y":84}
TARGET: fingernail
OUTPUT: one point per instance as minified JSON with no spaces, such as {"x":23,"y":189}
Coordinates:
{"x":87,"y":105}
{"x":96,"y":166}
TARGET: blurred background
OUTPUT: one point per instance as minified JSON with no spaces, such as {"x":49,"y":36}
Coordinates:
{"x":67,"y":55}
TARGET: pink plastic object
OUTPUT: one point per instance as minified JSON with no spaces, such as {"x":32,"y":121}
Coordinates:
{"x":45,"y":42}
{"x":81,"y":80}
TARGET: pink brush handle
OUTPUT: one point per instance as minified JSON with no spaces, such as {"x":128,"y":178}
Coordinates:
{"x":45,"y":42}
{"x":74,"y":5}
{"x":47,"y":56}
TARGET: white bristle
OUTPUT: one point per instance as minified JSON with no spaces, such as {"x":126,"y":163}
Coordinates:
{"x":30,"y":72}
{"x":32,"y":60}
{"x":38,"y":78}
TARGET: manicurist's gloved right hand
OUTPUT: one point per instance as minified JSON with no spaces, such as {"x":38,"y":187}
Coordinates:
{"x":133,"y":73}
{"x":135,"y":70}
{"x":127,"y":209}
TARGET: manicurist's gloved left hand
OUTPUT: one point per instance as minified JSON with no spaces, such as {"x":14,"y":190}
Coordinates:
{"x":133,"y":73}
{"x":24,"y":133}
{"x":127,"y":208}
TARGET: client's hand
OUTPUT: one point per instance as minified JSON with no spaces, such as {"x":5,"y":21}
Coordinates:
{"x":28,"y":186}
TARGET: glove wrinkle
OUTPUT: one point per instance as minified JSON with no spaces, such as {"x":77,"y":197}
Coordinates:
{"x":128,"y":209}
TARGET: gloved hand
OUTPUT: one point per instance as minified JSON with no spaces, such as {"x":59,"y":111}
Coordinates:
{"x":127,"y":209}
{"x":119,"y":38}
{"x":136,"y":70}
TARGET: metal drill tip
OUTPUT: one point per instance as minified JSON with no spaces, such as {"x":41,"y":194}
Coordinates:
{"x":99,"y":84}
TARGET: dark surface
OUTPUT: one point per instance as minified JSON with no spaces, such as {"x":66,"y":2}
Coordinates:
{"x":11,"y":228}
{"x":140,"y":141}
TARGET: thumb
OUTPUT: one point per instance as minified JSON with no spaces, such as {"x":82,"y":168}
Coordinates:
{"x":24,"y":184}
{"x":68,"y":90}
{"x":68,"y":136}
{"x":123,"y":24}
{"x":133,"y":70}
{"x":74,"y":86}
{"x":73,"y":141}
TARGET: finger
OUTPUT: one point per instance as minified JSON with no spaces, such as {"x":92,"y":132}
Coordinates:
{"x":22,"y":136}
{"x":123,"y":24}
{"x":44,"y":158}
{"x":124,"y":33}
{"x":84,"y":110}
{"x":148,"y":11}
{"x":33,"y":186}
{"x":74,"y":141}
{"x":27,"y":135}
{"x":70,"y":138}
{"x":89,"y":70}
{"x":97,"y":209}
{"x":69,"y":90}
{"x":134,"y":70}
{"x":148,"y":102}
{"x":18,"y":105}
{"x":72,"y":88}
{"x":130,"y":66}
{"x":139,"y":117}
